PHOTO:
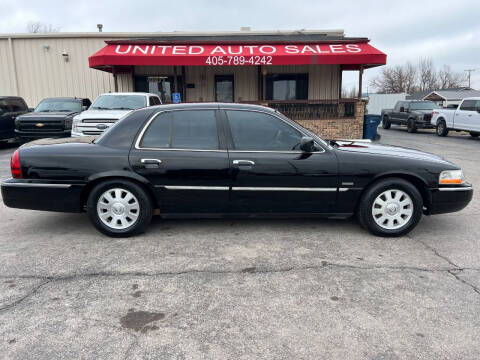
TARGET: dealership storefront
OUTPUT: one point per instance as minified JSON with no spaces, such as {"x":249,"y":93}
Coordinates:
{"x":297,"y":72}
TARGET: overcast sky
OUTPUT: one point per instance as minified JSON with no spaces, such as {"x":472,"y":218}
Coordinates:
{"x":446,"y":31}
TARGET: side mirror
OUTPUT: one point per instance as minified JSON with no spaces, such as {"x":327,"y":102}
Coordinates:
{"x":402,"y":109}
{"x":307,"y":144}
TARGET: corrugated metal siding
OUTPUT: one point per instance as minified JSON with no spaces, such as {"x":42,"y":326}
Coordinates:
{"x":7,"y":81}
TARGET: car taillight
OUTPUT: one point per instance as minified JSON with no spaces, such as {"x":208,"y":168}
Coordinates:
{"x":15,"y":165}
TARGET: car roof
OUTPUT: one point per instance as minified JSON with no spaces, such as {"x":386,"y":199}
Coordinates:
{"x":11,"y":97}
{"x":64,"y":98}
{"x":210,"y":105}
{"x":129,"y":93}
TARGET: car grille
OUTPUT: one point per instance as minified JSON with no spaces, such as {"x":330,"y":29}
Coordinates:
{"x":99,"y":120}
{"x":427,"y":117}
{"x":48,"y":126}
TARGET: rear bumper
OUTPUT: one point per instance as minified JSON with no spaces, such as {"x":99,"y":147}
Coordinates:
{"x":26,"y":194}
{"x":31,"y":135}
{"x":450,"y":199}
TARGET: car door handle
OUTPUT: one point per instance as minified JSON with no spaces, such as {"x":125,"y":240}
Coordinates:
{"x":151,"y":163}
{"x":246,"y":163}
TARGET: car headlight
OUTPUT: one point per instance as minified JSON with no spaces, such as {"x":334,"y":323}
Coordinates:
{"x":75,"y":123}
{"x":451,"y":177}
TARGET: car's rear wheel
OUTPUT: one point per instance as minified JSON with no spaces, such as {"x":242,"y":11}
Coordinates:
{"x":411,"y":126}
{"x":474,"y":134}
{"x":442,"y":129}
{"x":386,"y":124}
{"x":119,"y":208}
{"x":390,"y":207}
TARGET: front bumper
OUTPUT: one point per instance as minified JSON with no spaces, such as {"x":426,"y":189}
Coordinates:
{"x":450,"y":199}
{"x":46,"y":196}
{"x":424,"y":124}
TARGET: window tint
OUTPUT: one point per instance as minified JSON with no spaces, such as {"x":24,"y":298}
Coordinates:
{"x":194,"y":129}
{"x":260,"y":131}
{"x":158,"y":133}
{"x":189,"y":129}
{"x":468,"y":105}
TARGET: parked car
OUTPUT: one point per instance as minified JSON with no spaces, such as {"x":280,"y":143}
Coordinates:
{"x":51,"y":118}
{"x":412,"y":113}
{"x":10,"y":108}
{"x":465,"y":118}
{"x":107,"y":109}
{"x":233,"y":160}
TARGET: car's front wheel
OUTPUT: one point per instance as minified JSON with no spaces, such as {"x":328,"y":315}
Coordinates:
{"x":390,"y":207}
{"x":442,"y":129}
{"x":474,"y":134}
{"x":386,"y":124}
{"x":119,"y":208}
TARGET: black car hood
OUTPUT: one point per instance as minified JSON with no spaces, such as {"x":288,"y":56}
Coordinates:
{"x":387,"y":150}
{"x":46,"y":115}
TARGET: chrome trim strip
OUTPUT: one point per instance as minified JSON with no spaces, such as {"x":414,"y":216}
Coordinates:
{"x":236,"y":188}
{"x":174,"y":187}
{"x":463,"y":188}
{"x":52,"y":186}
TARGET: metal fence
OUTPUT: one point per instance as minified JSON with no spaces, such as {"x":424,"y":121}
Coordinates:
{"x":312,"y":109}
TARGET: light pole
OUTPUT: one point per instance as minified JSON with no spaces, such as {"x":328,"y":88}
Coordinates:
{"x":469,"y":74}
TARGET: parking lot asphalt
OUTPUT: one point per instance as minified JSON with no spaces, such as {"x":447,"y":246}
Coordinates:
{"x":244,"y":289}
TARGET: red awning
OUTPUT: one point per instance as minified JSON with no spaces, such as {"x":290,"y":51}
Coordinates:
{"x":350,"y":55}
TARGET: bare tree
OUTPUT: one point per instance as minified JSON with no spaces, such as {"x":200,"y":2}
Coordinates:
{"x":450,"y":79}
{"x":349,"y":93}
{"x":39,"y":27}
{"x":410,"y":78}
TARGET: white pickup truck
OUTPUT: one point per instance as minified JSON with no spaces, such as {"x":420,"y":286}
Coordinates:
{"x":464,"y":118}
{"x":107,"y":109}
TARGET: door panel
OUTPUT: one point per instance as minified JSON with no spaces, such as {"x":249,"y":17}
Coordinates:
{"x":270,"y":174}
{"x":284,"y":182}
{"x":183,"y":157}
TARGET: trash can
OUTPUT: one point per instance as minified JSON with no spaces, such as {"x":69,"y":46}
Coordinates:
{"x":370,"y":125}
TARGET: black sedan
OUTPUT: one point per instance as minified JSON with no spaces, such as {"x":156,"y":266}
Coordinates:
{"x":229,"y":160}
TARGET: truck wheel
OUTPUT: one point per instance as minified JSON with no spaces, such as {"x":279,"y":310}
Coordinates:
{"x":442,"y":129}
{"x":386,"y":124}
{"x":474,"y":134}
{"x":411,"y":126}
{"x":390,"y":207}
{"x":119,"y":208}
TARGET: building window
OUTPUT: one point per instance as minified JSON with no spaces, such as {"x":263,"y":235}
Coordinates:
{"x":287,"y":86}
{"x":224,"y":88}
{"x":163,"y":86}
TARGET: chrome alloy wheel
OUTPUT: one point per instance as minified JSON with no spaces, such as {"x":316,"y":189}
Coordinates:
{"x":392,"y":209}
{"x":118,"y":208}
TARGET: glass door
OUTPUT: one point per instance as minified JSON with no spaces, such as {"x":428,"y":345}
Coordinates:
{"x":224,"y":88}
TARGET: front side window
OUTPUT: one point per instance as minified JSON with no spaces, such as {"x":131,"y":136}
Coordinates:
{"x":287,"y":86}
{"x":119,"y":102}
{"x":469,"y":105}
{"x":59,"y":106}
{"x":259,"y":131}
{"x":186,"y":129}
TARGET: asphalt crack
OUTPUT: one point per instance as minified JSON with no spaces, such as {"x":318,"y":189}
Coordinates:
{"x":26,"y":296}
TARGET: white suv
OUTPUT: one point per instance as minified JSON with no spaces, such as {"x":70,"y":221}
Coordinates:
{"x":107,"y":109}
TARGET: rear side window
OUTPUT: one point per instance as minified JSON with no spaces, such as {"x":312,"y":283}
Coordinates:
{"x":259,"y":131}
{"x":186,"y":129}
{"x":154,"y":101}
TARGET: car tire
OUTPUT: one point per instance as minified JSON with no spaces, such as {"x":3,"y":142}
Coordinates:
{"x":442,"y":129}
{"x":474,"y":134}
{"x":411,"y":126}
{"x":119,"y":208}
{"x":386,"y":124}
{"x":390,"y":207}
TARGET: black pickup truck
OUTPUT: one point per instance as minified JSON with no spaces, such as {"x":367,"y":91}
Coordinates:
{"x":51,"y":118}
{"x":10,"y":108}
{"x":412,"y":113}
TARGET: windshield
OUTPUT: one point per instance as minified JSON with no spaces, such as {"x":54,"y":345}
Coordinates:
{"x":423,"y":105}
{"x":119,"y":102}
{"x":59,"y":106}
